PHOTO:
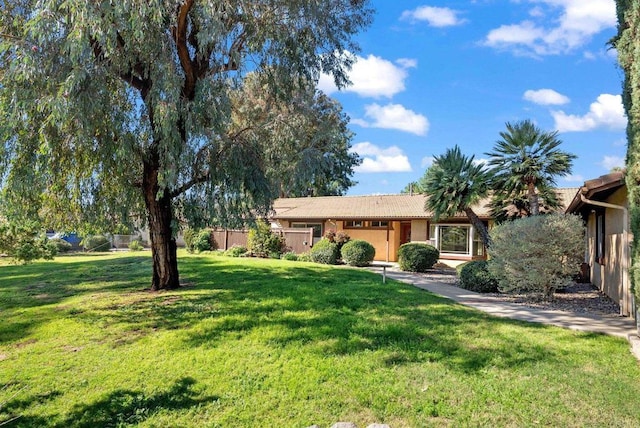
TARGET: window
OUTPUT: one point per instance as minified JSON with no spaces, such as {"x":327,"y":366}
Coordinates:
{"x":456,"y":239}
{"x":453,"y":239}
{"x":600,"y":237}
{"x":380,"y":224}
{"x":317,"y":228}
{"x":354,"y":223}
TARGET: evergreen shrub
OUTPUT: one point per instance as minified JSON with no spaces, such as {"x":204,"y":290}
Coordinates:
{"x":96,"y":243}
{"x":236,"y":251}
{"x":325,"y":252}
{"x":358,"y":253}
{"x":537,"y":254}
{"x":475,"y":276}
{"x":416,"y":257}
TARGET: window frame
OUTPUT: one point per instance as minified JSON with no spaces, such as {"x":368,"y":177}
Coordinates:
{"x":474,"y":247}
{"x":380,"y":225}
{"x":351,"y":224}
{"x":600,"y":236}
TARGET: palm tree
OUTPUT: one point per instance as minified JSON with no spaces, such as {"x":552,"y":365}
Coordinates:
{"x":508,"y":207}
{"x":527,"y":160}
{"x":453,"y":184}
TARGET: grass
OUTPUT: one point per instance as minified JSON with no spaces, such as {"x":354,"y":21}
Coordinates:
{"x":274,"y":343}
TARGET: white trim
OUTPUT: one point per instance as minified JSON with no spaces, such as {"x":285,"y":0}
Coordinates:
{"x":470,"y":236}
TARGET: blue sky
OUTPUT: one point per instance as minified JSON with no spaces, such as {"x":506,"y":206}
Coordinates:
{"x":432,"y":74}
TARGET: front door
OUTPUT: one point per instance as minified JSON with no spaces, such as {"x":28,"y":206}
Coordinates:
{"x":405,"y":233}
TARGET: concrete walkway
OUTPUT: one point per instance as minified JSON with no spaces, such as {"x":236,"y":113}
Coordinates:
{"x":615,"y":326}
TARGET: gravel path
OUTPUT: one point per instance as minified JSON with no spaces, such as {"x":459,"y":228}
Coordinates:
{"x":578,"y":298}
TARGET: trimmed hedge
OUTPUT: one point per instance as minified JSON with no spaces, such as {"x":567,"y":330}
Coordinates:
{"x":416,"y":257}
{"x":475,"y":276}
{"x":358,"y":253}
{"x":325,"y":252}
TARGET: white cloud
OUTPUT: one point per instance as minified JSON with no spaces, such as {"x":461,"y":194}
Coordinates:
{"x":606,"y":112}
{"x":577,"y":178}
{"x":427,"y":161}
{"x":610,"y":162}
{"x":376,"y":159}
{"x":481,"y":161}
{"x":394,"y":116}
{"x":407,"y":62}
{"x":372,"y":76}
{"x":573,"y":23}
{"x":434,"y":16}
{"x":545,"y":97}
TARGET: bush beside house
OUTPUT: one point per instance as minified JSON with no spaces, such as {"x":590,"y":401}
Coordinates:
{"x":358,"y":253}
{"x":262,"y":242}
{"x":325,"y":252}
{"x":475,"y":276}
{"x":416,"y":257}
{"x":537,"y":254}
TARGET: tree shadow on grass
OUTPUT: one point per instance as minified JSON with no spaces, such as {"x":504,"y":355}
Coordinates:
{"x":36,"y":285}
{"x":11,"y":411}
{"x":330,"y":311}
{"x":352,"y":312}
{"x":122,"y":408}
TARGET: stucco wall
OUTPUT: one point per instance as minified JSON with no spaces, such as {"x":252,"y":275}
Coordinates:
{"x":608,"y":274}
{"x":377,"y":238}
{"x":419,"y":230}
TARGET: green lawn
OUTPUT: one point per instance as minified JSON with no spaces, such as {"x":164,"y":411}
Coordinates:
{"x":283,"y":344}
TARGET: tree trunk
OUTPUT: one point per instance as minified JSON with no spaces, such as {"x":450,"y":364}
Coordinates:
{"x":163,"y":244}
{"x":479,"y":225}
{"x":534,"y":206}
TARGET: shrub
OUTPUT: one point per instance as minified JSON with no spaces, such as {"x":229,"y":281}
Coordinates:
{"x":537,"y":254}
{"x":290,"y":255}
{"x":415,"y":257}
{"x":325,"y":252}
{"x":305,"y":257}
{"x":61,"y":245}
{"x":340,"y":238}
{"x":262,"y":242}
{"x":236,"y":251}
{"x":358,"y":253}
{"x":203,"y":241}
{"x":189,"y":236}
{"x":37,"y":248}
{"x":96,"y":243}
{"x":475,"y":276}
{"x":135,"y":245}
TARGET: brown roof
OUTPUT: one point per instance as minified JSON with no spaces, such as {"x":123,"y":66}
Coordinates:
{"x":374,"y":207}
{"x":596,"y":188}
{"x":358,"y":207}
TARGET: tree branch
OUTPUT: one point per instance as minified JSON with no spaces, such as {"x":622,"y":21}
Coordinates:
{"x":198,"y":179}
{"x":129,"y":77}
{"x":179,"y":33}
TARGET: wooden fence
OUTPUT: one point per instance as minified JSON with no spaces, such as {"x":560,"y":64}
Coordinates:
{"x":299,"y":240}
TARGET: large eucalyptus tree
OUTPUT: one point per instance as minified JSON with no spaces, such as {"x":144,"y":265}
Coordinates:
{"x":109,"y":106}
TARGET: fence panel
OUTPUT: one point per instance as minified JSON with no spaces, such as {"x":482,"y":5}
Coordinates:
{"x":298,"y":240}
